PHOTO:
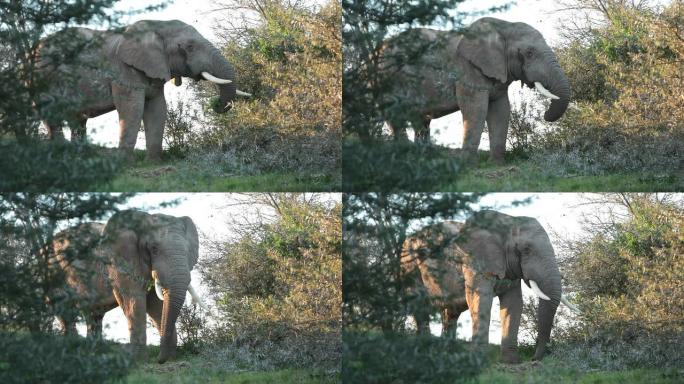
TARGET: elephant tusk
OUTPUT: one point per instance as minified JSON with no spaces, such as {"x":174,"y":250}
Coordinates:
{"x":565,"y":301}
{"x":244,"y":94}
{"x":158,"y":289}
{"x":196,"y":298}
{"x":545,"y":91}
{"x":215,"y":79}
{"x":538,"y":291}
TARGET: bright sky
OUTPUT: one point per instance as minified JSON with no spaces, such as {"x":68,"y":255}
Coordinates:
{"x":210,"y":212}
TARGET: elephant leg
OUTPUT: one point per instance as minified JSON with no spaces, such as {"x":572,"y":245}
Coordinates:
{"x":498,"y":118}
{"x":473,"y":104}
{"x":422,"y":322}
{"x":68,"y":326}
{"x":54,"y":130}
{"x":421,"y":128}
{"x":479,"y":295}
{"x":78,"y":131}
{"x":129,"y":103}
{"x":450,"y":317}
{"x":154,"y":309}
{"x":133,"y":304}
{"x":94,"y":322}
{"x":398,"y":129}
{"x":154,"y":119}
{"x":511,"y":310}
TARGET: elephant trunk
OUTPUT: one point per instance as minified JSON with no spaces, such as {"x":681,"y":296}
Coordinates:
{"x":220,"y":67}
{"x":549,"y":282}
{"x":174,"y":297}
{"x":558,"y":84}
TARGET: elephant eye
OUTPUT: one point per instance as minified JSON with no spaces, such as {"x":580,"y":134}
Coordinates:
{"x":529,"y":53}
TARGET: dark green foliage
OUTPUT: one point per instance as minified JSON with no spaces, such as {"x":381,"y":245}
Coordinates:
{"x":28,"y":278}
{"x":34,"y":292}
{"x":396,"y":165}
{"x":45,"y":166}
{"x":377,"y":294}
{"x":402,"y":358}
{"x":26,"y":358}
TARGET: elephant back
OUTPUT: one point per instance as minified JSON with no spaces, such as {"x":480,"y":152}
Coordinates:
{"x":433,"y":257}
{"x":79,"y":254}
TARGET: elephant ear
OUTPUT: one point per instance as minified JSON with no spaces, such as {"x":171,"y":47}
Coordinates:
{"x":143,"y":48}
{"x":193,"y":238}
{"x":484,"y":250}
{"x":484,"y":46}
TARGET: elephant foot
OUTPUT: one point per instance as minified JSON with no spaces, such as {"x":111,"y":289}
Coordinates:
{"x":153,"y":158}
{"x":164,"y":356}
{"x":469,"y":158}
{"x":510,"y":359}
{"x":497,"y":159}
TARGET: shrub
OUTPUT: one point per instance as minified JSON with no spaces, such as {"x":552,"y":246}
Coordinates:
{"x":59,"y":359}
{"x":626,"y":80}
{"x":396,"y":165}
{"x":277,"y":287}
{"x":628,"y":276}
{"x":178,"y":133}
{"x":55,"y":166}
{"x":402,"y":358}
{"x":290,"y":62}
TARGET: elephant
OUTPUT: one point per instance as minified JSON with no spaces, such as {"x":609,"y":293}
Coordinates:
{"x":142,"y":263}
{"x":486,"y":256}
{"x":431,"y":73}
{"x":78,"y":254}
{"x":88,"y":73}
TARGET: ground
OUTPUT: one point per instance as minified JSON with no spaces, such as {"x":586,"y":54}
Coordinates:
{"x":390,"y":165}
{"x":522,"y":175}
{"x":175,"y":174}
{"x":189,"y":368}
{"x":553,"y":369}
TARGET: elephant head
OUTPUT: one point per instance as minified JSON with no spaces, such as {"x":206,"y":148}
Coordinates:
{"x":168,"y":50}
{"x":157,"y":248}
{"x":518,"y":248}
{"x":507,"y":52}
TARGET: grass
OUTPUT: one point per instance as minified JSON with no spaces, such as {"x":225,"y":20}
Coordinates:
{"x":556,"y":372}
{"x":189,"y":368}
{"x":179,"y":175}
{"x":522,"y":175}
{"x":556,"y":369}
{"x":390,"y":166}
